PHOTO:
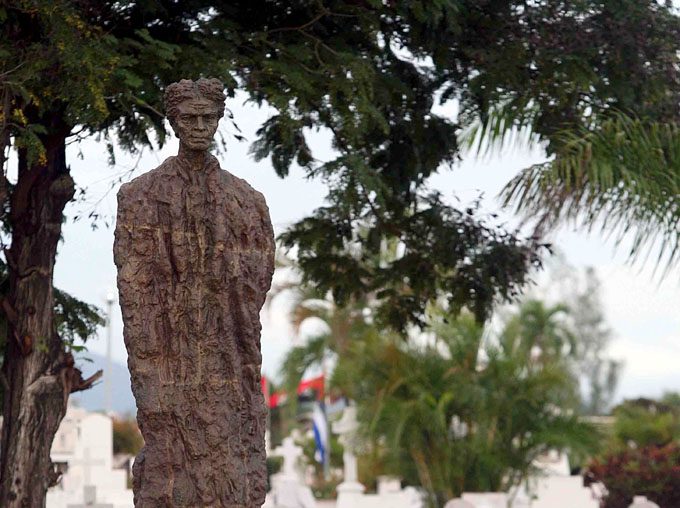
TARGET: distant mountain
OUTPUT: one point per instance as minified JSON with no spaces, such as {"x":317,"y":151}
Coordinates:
{"x":94,"y":399}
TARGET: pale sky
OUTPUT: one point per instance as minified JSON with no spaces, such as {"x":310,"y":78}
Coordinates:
{"x":643,"y":311}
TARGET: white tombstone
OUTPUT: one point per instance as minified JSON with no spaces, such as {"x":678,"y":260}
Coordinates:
{"x":388,"y":485}
{"x":486,"y":499}
{"x":350,"y":489}
{"x":291,"y":454}
{"x":458,"y":503}
{"x":643,"y":502}
{"x":83,"y":450}
{"x":87,"y":463}
{"x":288,"y":489}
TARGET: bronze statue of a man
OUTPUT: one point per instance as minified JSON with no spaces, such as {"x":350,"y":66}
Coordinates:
{"x":194,"y":249}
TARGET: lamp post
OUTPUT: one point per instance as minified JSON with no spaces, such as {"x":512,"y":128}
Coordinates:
{"x":110,"y":300}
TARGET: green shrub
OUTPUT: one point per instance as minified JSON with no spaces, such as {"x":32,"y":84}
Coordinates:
{"x":653,"y":471}
{"x":126,"y":437}
{"x":274,"y":465}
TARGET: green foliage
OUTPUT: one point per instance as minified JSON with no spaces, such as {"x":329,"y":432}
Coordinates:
{"x":643,"y":453}
{"x":370,"y":73}
{"x":75,"y":319}
{"x":560,"y":79}
{"x":644,"y":422}
{"x":337,"y":65}
{"x":437,"y":417}
{"x":671,"y":400}
{"x":604,"y":105}
{"x":274,"y":465}
{"x":445,"y":252}
{"x":650,"y":471}
{"x":422,"y":393}
{"x":126,"y":437}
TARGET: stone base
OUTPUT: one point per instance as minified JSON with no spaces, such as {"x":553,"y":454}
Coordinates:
{"x":348,"y":494}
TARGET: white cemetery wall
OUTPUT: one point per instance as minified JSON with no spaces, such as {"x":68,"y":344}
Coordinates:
{"x":563,"y":492}
{"x":486,"y":499}
{"x":459,"y":503}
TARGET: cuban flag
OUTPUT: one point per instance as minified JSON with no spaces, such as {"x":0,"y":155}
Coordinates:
{"x":320,"y":427}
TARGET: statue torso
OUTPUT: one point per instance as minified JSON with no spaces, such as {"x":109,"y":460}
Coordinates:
{"x":195,"y":254}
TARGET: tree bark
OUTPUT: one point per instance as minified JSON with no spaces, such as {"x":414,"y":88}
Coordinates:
{"x":39,"y":373}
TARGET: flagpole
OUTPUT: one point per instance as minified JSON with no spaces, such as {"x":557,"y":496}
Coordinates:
{"x":326,"y":401}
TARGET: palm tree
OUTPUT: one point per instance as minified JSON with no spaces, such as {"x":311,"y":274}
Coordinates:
{"x":441,"y":420}
{"x":540,"y":332}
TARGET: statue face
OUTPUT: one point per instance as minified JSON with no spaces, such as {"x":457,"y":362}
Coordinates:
{"x":196,"y":123}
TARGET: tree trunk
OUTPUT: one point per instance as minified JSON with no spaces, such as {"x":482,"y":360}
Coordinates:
{"x":38,"y":373}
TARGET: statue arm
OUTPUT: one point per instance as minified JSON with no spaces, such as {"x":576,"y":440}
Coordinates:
{"x":132,"y":243}
{"x":135,"y":251}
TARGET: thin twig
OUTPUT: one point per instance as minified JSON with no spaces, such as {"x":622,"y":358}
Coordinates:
{"x":301,"y":27}
{"x":319,"y":41}
{"x":7,"y":73}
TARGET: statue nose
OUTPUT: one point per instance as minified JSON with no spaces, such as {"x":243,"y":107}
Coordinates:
{"x":199,"y":123}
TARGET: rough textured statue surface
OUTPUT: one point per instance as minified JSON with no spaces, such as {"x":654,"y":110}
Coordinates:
{"x":194,"y":249}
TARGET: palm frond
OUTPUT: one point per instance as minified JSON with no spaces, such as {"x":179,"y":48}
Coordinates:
{"x":623,"y":178}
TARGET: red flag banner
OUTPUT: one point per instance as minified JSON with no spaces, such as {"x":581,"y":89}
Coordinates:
{"x":316,"y":384}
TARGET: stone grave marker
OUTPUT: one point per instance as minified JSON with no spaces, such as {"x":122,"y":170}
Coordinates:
{"x":291,"y":453}
{"x":350,"y":489}
{"x":90,"y":499}
{"x":643,"y":502}
{"x":86,"y":463}
{"x":288,"y":488}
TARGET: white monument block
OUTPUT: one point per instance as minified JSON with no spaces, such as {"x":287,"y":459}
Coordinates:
{"x":563,"y":492}
{"x":83,"y":450}
{"x":458,"y":503}
{"x":643,"y":502}
{"x":486,"y":499}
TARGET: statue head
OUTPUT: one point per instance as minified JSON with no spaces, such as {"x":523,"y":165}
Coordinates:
{"x":194,"y":109}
